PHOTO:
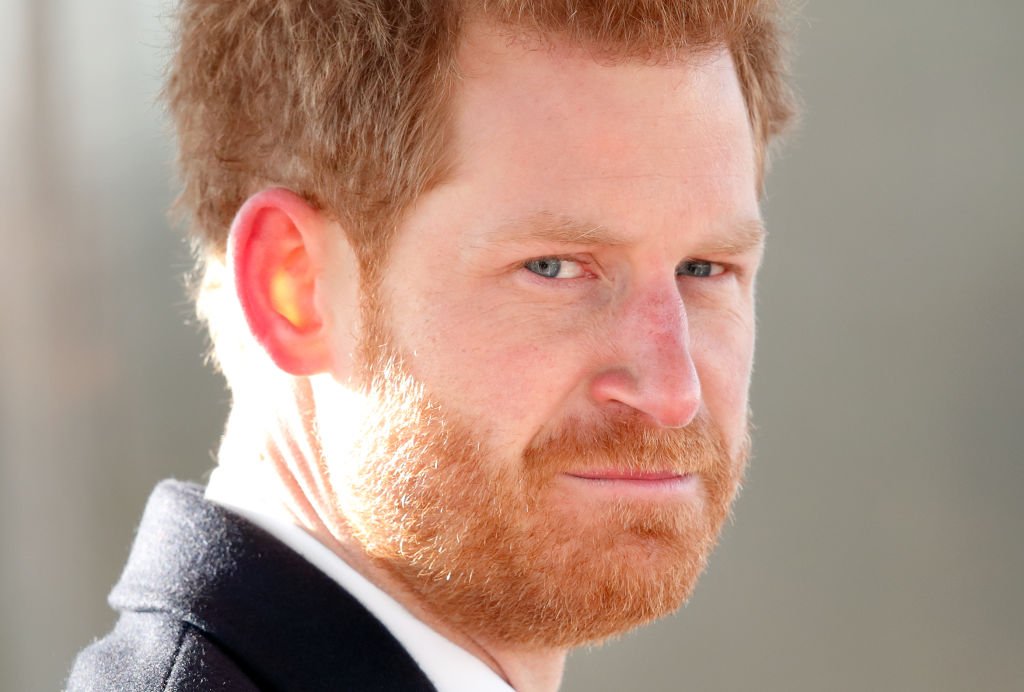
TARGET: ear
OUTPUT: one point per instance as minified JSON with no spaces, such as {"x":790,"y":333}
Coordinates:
{"x":276,"y":253}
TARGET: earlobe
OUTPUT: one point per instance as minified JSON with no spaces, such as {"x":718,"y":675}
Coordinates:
{"x":274,"y":250}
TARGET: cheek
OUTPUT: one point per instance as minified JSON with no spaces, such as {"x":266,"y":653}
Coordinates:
{"x":502,"y":360}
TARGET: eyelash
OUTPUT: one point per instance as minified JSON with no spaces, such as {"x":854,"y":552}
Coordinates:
{"x":715,"y":269}
{"x":721,"y":268}
{"x":556,"y":259}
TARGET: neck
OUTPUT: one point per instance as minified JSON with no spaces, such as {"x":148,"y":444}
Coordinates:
{"x":285,"y":476}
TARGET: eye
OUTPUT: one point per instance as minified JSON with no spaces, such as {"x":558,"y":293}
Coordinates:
{"x":699,"y":269}
{"x":555,"y":268}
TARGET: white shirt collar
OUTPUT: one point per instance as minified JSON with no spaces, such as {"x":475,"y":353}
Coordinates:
{"x":449,"y":667}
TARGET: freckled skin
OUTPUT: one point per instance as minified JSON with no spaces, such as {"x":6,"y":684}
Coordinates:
{"x":662,"y":154}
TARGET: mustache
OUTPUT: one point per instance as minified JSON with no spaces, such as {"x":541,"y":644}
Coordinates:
{"x":629,"y":444}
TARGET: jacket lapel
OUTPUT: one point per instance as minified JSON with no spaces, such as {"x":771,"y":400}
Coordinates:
{"x":286,"y":623}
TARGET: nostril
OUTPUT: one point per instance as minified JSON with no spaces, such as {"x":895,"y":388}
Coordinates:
{"x":678,"y":414}
{"x":668,"y":401}
{"x":613,"y":386}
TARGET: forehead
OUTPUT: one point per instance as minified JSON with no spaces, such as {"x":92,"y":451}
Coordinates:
{"x":556,"y":128}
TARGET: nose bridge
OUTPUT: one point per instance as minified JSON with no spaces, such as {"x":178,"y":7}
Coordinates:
{"x":655,"y":372}
{"x":658,"y":316}
{"x":658,"y":325}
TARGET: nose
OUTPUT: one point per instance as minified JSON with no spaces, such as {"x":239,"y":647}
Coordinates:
{"x":652,"y":371}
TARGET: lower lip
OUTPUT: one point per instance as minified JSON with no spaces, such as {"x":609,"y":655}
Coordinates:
{"x":643,"y":484}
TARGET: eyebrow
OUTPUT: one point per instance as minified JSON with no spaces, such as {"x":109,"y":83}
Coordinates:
{"x":738,"y":239}
{"x":545,"y":226}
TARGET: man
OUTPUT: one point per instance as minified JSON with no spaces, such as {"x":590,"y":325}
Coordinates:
{"x":480,"y":276}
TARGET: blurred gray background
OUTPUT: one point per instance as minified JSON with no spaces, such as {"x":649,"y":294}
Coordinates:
{"x":878,"y":542}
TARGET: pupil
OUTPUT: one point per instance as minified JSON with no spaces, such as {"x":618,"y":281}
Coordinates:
{"x":548,"y":267}
{"x":698,"y":268}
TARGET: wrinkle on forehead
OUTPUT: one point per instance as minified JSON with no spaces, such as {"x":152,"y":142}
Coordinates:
{"x":734,"y":238}
{"x":557,"y":92}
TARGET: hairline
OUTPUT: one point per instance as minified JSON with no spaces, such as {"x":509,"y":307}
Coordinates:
{"x":607,"y":54}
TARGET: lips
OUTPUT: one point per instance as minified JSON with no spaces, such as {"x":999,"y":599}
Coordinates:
{"x":627,"y":475}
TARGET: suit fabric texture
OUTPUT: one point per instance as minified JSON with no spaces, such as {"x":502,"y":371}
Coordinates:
{"x":209,"y":601}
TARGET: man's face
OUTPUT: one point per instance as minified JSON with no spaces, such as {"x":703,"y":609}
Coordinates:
{"x":556,"y":416}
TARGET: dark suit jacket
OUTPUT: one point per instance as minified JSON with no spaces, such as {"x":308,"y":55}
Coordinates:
{"x":210,"y":602}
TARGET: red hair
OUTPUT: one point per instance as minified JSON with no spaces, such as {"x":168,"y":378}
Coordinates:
{"x":344,"y":101}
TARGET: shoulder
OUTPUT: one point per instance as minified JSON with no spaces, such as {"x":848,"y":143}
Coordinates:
{"x":210,"y":601}
{"x":155,"y":652}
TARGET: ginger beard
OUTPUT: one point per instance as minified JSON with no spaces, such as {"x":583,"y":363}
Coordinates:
{"x":491,"y":542}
